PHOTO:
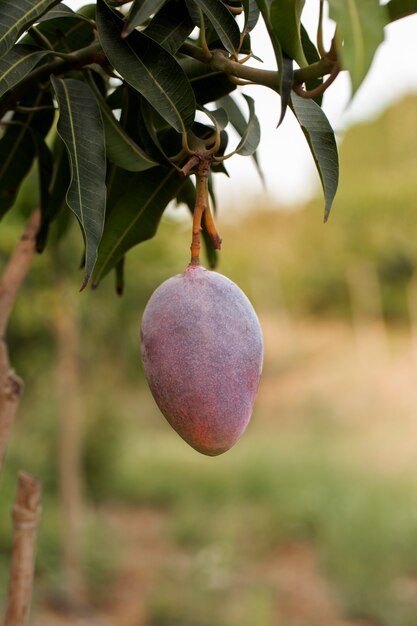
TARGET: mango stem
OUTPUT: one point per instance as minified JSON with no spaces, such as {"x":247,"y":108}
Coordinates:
{"x":202,"y":209}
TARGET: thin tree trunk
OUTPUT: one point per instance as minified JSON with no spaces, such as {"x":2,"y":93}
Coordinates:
{"x":25,"y":514}
{"x":10,"y":384}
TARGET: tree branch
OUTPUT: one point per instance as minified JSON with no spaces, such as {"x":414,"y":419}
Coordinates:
{"x":25,"y":515}
{"x":219,"y":62}
{"x":16,"y":270}
{"x":72,"y":61}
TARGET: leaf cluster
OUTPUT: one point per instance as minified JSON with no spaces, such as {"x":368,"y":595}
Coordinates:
{"x":119,"y":101}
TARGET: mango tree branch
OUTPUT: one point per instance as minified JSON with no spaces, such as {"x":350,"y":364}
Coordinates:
{"x":25,"y":515}
{"x":13,"y":276}
{"x":268,"y":78}
{"x":72,"y":61}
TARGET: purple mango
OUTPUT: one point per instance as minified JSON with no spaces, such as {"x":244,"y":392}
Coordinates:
{"x":202,"y":352}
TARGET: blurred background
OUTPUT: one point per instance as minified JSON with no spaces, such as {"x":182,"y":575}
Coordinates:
{"x":311,"y":519}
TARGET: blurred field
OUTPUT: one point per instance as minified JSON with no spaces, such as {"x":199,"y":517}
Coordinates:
{"x":311,"y":520}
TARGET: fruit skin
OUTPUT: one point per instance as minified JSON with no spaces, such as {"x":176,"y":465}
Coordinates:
{"x":202,"y":352}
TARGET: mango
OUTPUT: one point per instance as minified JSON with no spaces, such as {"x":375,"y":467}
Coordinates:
{"x":202,"y":352}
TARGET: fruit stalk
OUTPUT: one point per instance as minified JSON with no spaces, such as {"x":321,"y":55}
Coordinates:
{"x":202,"y":211}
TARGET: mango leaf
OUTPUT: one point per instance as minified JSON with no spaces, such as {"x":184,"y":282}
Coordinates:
{"x":64,"y":34}
{"x":81,"y":129}
{"x":140,"y":12}
{"x":312,"y":56}
{"x":285,"y":66}
{"x":321,"y":140}
{"x":60,"y":10}
{"x":57,"y":188}
{"x":120,"y":276}
{"x":251,"y":12}
{"x":17,"y":148}
{"x":135,"y":217}
{"x":223,"y":23}
{"x":171,"y":26}
{"x":252,"y":133}
{"x":17,"y":16}
{"x":285,"y":18}
{"x":16,"y":64}
{"x":398,"y":9}
{"x":121,"y":149}
{"x":206,"y":84}
{"x":148,"y":68}
{"x":361,"y":28}
{"x":239,"y":123}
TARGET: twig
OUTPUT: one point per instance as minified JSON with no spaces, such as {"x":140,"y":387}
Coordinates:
{"x":16,"y":270}
{"x":25,"y":515}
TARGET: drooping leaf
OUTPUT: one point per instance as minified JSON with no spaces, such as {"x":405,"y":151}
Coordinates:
{"x":135,"y":217}
{"x":57,"y":189}
{"x":223,"y":23}
{"x":81,"y":128}
{"x":120,"y":276}
{"x":239,"y":123}
{"x":17,"y":16}
{"x":252,"y":133}
{"x":17,"y":147}
{"x":398,"y":9}
{"x":285,"y":67}
{"x":321,"y":140}
{"x":251,"y":12}
{"x":45,"y":167}
{"x":360,"y":26}
{"x":16,"y":64}
{"x":121,"y":149}
{"x":286,"y":83}
{"x":148,"y":68}
{"x":140,"y":12}
{"x":285,"y":18}
{"x":171,"y":25}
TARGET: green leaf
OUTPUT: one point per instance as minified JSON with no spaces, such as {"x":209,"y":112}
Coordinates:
{"x":223,"y":22}
{"x":64,"y":34}
{"x":321,"y":140}
{"x":206,"y":84}
{"x":17,"y":147}
{"x":148,"y":68}
{"x":140,"y":12}
{"x":252,"y":134}
{"x":251,"y":11}
{"x":285,"y":18}
{"x":312,"y":56}
{"x":60,"y":10}
{"x":17,"y":16}
{"x":398,"y":9}
{"x":57,"y":188}
{"x":16,"y":64}
{"x":239,"y":123}
{"x":284,"y":66}
{"x":360,"y":26}
{"x":171,"y":26}
{"x":81,"y":128}
{"x":120,"y":276}
{"x":121,"y":149}
{"x":135,"y":217}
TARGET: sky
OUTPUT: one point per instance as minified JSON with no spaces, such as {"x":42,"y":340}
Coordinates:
{"x":289,"y":172}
